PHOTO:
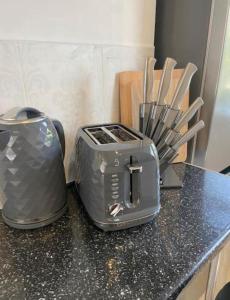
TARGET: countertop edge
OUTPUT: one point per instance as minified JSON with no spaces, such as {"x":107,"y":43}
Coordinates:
{"x":209,"y":255}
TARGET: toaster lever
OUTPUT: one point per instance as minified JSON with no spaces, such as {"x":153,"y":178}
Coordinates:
{"x":135,"y":171}
{"x":135,"y":168}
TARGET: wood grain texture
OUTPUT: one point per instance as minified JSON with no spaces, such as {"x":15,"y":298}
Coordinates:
{"x":130,"y":86}
{"x":207,"y":283}
{"x":196,"y":288}
{"x":219,"y":272}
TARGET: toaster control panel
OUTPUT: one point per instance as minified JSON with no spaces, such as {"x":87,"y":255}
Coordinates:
{"x":115,"y":186}
{"x":115,"y":207}
{"x":123,"y":188}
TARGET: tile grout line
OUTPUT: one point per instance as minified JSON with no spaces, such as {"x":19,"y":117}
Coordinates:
{"x":101,"y":43}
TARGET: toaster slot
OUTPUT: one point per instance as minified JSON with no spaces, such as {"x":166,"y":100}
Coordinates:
{"x":122,"y":134}
{"x":103,"y":137}
{"x":99,"y":136}
{"x":135,"y":171}
{"x":108,"y":134}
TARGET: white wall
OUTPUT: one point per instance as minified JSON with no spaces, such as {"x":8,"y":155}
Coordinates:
{"x":117,"y":22}
{"x":63,"y":56}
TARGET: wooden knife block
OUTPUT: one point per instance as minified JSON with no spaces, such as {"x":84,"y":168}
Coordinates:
{"x":131,"y":91}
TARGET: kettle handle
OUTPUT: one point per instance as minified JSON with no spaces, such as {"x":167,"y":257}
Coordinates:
{"x":60,"y":131}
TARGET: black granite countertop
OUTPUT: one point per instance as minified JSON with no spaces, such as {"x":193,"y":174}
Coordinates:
{"x":72,"y":259}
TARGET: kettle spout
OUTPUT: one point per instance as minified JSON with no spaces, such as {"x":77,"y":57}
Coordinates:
{"x":4,"y":139}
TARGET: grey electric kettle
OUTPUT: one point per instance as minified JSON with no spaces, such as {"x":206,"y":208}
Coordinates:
{"x":32,"y":175}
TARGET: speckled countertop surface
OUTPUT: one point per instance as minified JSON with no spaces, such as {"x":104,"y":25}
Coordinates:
{"x":72,"y":259}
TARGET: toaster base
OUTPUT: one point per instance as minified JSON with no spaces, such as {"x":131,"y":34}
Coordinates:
{"x":125,"y":224}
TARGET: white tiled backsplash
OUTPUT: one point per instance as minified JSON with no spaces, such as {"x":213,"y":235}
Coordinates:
{"x":74,"y":83}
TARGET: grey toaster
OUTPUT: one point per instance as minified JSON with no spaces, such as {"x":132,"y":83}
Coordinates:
{"x":118,"y":177}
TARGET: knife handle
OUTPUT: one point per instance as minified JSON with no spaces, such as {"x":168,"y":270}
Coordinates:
{"x":165,"y":81}
{"x":187,"y":116}
{"x":149,"y":83}
{"x":189,"y":134}
{"x":148,"y":78}
{"x":183,"y":85}
{"x":145,"y":81}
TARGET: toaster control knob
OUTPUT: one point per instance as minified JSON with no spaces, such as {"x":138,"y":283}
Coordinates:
{"x":115,"y":208}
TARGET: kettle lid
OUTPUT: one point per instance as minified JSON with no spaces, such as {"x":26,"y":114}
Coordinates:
{"x":19,"y":115}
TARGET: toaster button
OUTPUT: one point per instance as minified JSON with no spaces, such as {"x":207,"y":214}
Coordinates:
{"x":115,"y":188}
{"x":115,"y":180}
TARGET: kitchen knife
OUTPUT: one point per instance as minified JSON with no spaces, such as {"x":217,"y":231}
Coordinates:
{"x":142,"y":106}
{"x":189,"y":135}
{"x":149,"y":81}
{"x":145,"y":81}
{"x":181,"y":90}
{"x":183,"y":85}
{"x":165,"y":81}
{"x":163,"y":89}
{"x":169,"y":151}
{"x":147,"y":90}
{"x":185,"y":118}
{"x":162,"y":126}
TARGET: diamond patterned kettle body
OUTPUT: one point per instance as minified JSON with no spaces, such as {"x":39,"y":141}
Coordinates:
{"x":32,"y":176}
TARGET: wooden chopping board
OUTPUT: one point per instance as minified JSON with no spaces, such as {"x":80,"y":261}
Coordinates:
{"x":130,"y":85}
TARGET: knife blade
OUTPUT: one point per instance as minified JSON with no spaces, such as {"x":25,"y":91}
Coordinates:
{"x":174,"y":134}
{"x":163,"y":89}
{"x":187,"y":116}
{"x":147,"y":91}
{"x":165,"y":81}
{"x":151,"y":61}
{"x":189,"y":135}
{"x":145,"y":81}
{"x":142,"y":106}
{"x":171,"y":150}
{"x":162,"y":127}
{"x":183,"y":85}
{"x":150,"y":80}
